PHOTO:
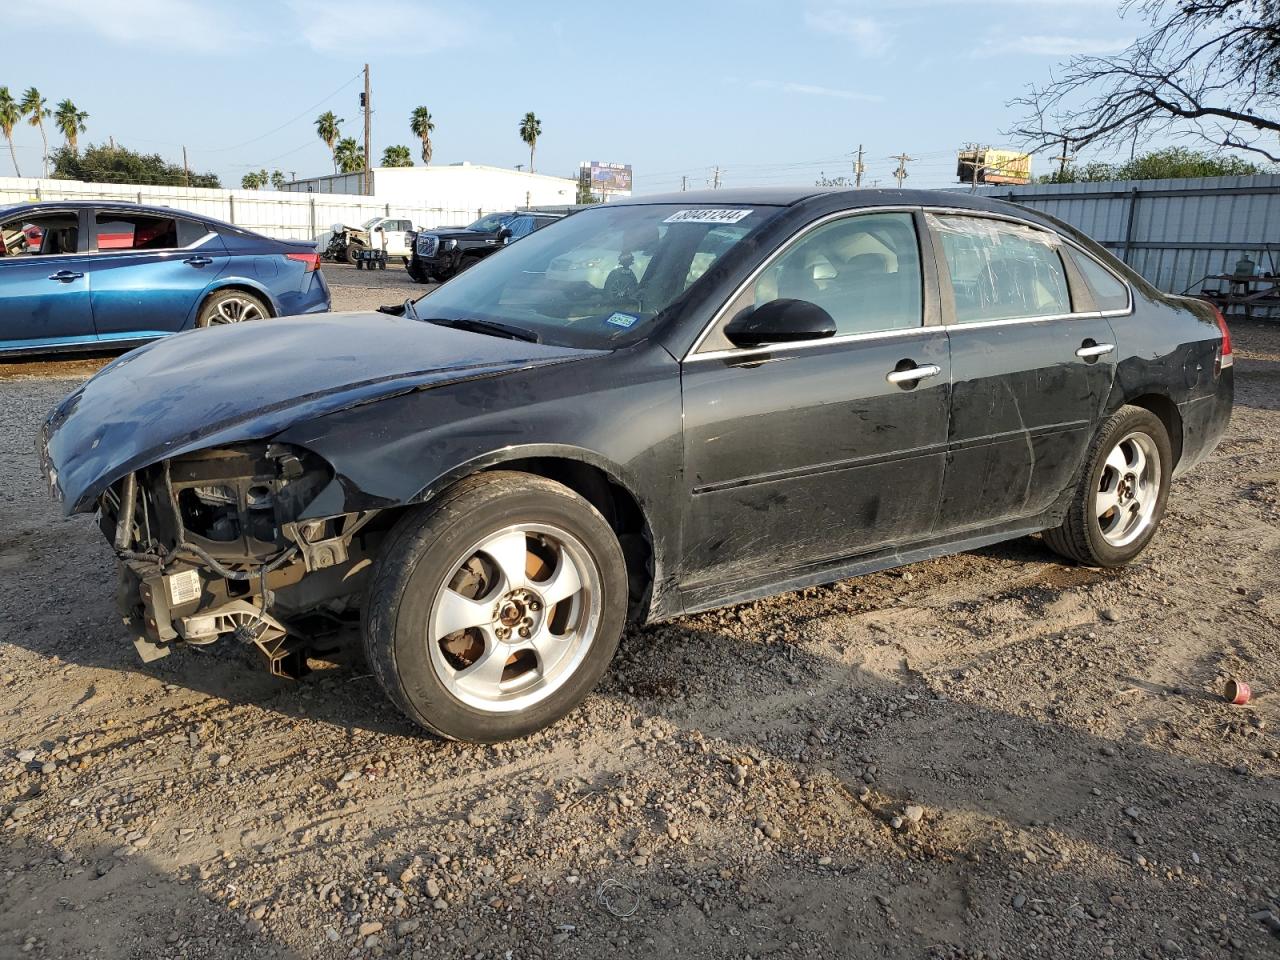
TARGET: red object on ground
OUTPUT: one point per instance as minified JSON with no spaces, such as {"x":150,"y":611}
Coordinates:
{"x":1237,"y":692}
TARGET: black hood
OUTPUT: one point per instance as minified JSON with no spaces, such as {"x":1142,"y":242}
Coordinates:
{"x":249,"y":381}
{"x":457,"y":233}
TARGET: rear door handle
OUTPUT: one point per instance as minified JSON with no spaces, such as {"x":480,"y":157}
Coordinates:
{"x":65,"y":276}
{"x":914,"y":374}
{"x":198,"y":261}
{"x":1090,"y":350}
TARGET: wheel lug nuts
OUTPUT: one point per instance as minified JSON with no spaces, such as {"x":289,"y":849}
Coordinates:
{"x":524,"y":633}
{"x":534,"y":605}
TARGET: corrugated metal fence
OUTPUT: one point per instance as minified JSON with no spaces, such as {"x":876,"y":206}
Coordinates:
{"x":1173,"y":232}
{"x":288,"y":216}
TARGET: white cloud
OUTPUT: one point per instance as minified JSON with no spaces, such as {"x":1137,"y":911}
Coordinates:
{"x":1049,"y":45}
{"x":866,"y":33}
{"x":181,"y":25}
{"x":813,"y":90}
{"x":390,"y":26}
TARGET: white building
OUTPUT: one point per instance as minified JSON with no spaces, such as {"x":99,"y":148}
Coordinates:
{"x":455,"y":186}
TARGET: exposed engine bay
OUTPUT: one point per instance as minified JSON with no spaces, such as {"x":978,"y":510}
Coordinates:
{"x":210,"y":547}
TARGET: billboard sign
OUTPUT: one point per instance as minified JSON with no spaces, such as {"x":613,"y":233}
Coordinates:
{"x":608,"y":179}
{"x":994,"y":166}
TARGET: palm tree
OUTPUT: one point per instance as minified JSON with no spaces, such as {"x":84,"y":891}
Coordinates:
{"x":10,"y":114}
{"x":250,"y":181}
{"x":349,"y":155}
{"x":421,"y":125}
{"x":530,"y":130}
{"x":327,"y":129}
{"x":397,"y":156}
{"x":70,"y":122}
{"x":33,"y":105}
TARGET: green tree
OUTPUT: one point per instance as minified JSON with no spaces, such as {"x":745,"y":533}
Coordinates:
{"x":1170,"y":163}
{"x":397,"y":156}
{"x":106,"y":164}
{"x":349,"y":155}
{"x":10,"y":115}
{"x":33,"y":105}
{"x":250,"y":181}
{"x":530,"y":130}
{"x":327,"y":129}
{"x":70,"y":123}
{"x":277,"y":179}
{"x":825,"y":181}
{"x":421,"y":125}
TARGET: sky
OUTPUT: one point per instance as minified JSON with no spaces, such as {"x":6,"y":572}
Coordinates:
{"x":770,"y":91}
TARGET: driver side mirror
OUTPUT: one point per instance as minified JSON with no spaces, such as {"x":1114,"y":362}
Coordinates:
{"x":504,"y":235}
{"x":780,"y":321}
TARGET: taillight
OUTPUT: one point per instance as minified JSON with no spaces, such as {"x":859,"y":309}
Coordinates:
{"x":312,"y":260}
{"x":1224,"y":351}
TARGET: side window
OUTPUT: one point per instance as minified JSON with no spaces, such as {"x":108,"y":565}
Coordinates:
{"x":715,"y":243}
{"x":189,"y":231}
{"x":863,"y":270}
{"x":520,"y":227}
{"x":1000,"y":270}
{"x":136,"y":232}
{"x":1108,"y":292}
{"x":40,"y":235}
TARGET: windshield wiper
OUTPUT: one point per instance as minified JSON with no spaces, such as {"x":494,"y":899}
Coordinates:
{"x":490,"y":327}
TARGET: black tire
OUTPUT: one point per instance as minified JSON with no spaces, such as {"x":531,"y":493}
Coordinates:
{"x":466,"y":263}
{"x":426,"y":546}
{"x":1080,"y":537}
{"x":418,"y":274}
{"x":349,"y":252}
{"x":218,"y":303}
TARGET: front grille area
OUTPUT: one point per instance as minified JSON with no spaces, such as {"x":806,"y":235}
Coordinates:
{"x":427,"y":245}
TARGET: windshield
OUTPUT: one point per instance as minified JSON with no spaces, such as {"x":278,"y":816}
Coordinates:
{"x":368,"y":224}
{"x":490,"y":223}
{"x":599,"y":277}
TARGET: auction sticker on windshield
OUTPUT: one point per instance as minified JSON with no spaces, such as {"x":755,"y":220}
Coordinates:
{"x":623,"y":320}
{"x":713,"y":215}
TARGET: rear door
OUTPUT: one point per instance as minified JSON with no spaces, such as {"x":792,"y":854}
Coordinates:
{"x":44,"y":282}
{"x":1032,"y":362}
{"x":801,"y":454}
{"x":395,"y":236}
{"x":150,"y":271}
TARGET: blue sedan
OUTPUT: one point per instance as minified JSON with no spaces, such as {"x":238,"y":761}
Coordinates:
{"x":95,"y":275}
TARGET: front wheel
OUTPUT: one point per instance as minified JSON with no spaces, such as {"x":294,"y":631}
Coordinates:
{"x":493,"y":611}
{"x":1122,"y":492}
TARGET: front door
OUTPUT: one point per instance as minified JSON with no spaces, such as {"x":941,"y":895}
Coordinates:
{"x":802,"y":454}
{"x":1031,"y":369}
{"x":44,"y":282}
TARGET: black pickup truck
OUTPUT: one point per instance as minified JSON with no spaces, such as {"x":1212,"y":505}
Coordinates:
{"x":436,"y":255}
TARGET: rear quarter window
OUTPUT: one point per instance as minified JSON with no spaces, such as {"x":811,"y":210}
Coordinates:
{"x":1109,"y":293}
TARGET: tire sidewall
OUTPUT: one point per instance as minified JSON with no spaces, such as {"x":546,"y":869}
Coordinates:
{"x":1132,"y":420}
{"x":439,"y":548}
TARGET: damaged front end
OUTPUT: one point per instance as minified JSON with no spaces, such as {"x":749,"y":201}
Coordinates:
{"x":211,"y":546}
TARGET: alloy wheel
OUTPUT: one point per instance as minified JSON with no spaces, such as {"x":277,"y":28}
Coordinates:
{"x":235,"y":310}
{"x":515,"y":618}
{"x":1128,"y":490}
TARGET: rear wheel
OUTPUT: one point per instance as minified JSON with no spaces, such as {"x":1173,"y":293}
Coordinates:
{"x":231,"y":306}
{"x":349,"y":252}
{"x":1122,"y":493}
{"x":493,"y":611}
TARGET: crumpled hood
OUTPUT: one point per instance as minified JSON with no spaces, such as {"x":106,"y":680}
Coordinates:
{"x":249,"y":381}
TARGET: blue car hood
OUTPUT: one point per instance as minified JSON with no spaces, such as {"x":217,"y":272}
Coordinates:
{"x":249,"y":381}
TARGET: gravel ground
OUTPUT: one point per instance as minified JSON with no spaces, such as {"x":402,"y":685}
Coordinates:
{"x":987,"y":755}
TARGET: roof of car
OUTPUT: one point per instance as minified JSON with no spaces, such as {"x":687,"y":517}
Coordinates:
{"x":854,"y":197}
{"x":111,"y":205}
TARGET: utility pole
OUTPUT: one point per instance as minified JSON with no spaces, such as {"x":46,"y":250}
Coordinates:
{"x":186,"y":170}
{"x":684,"y":183}
{"x":715,"y":182}
{"x":1064,"y":159}
{"x":366,"y":102}
{"x":858,"y":168}
{"x":901,"y":173}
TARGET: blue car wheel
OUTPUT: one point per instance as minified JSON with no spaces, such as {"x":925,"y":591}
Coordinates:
{"x":231,"y":306}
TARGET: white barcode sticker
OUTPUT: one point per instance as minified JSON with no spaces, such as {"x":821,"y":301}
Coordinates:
{"x":183,"y":587}
{"x":710,"y":215}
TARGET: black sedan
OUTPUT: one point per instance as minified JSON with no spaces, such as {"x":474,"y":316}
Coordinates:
{"x":764,"y":391}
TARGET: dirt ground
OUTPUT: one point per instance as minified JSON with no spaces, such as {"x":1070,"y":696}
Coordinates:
{"x":989,"y":755}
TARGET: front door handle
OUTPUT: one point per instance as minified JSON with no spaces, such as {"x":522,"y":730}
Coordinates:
{"x":1091,"y":351}
{"x":197,"y":261}
{"x":913,"y":374}
{"x":65,"y":276}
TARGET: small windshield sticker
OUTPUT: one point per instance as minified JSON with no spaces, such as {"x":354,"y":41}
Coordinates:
{"x":622,"y":320}
{"x":712,"y":215}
